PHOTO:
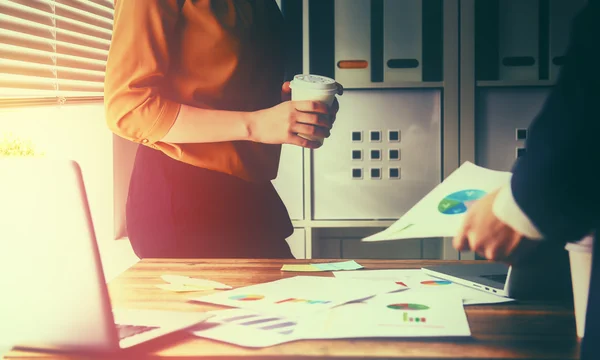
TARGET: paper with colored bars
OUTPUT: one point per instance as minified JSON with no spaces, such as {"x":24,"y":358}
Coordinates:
{"x":441,"y":212}
{"x":247,"y":328}
{"x":300,"y":295}
{"x":336,"y":266}
{"x":416,"y":279}
{"x":387,"y":315}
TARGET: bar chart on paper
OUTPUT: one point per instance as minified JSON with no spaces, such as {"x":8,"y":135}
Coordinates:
{"x":260,"y":322}
{"x":248,"y":328}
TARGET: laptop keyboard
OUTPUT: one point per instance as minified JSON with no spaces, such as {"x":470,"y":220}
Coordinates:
{"x":501,"y":278}
{"x":126,"y":331}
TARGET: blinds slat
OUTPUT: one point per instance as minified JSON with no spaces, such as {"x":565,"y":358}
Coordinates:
{"x":38,"y":43}
{"x":104,"y":3}
{"x":30,"y":27}
{"x":11,"y":93}
{"x":90,"y":7}
{"x":30,"y":82}
{"x":48,"y":18}
{"x":43,"y":57}
{"x":84,"y":16}
{"x":47,"y":71}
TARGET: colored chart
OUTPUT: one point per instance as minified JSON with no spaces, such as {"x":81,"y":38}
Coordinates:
{"x":407,"y":318}
{"x":459,"y":202}
{"x":436,"y":282}
{"x":407,"y":306}
{"x":247,"y":297}
{"x":276,"y":324}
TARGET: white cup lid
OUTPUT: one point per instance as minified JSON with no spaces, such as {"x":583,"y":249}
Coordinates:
{"x":314,"y":82}
{"x":584,"y":245}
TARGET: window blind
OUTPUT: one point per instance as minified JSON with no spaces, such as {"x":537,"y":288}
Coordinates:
{"x":53,"y":49}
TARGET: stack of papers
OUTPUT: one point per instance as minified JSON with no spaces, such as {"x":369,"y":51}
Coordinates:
{"x":353,"y":304}
{"x":300,"y":295}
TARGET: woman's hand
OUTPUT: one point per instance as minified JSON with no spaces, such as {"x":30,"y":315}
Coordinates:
{"x":282,"y":123}
{"x":286,"y":95}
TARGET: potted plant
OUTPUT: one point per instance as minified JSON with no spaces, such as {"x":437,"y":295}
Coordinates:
{"x":13,"y":146}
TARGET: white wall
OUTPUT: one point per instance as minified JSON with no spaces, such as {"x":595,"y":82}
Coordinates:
{"x":79,"y":132}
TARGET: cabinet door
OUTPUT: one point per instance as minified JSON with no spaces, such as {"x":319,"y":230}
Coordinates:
{"x":383,"y":156}
{"x":289,"y":181}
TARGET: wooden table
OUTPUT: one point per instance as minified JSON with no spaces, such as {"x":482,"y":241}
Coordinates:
{"x":525,"y":330}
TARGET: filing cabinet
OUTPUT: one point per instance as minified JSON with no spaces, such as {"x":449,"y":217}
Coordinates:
{"x":502,"y":118}
{"x":383,"y":156}
{"x":365,"y":43}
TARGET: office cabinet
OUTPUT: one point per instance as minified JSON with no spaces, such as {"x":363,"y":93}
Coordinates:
{"x":383,"y":156}
{"x":501,"y":121}
{"x":518,"y":39}
{"x":367,"y":43}
{"x":352,"y":29}
{"x":402,"y":40}
{"x":289,"y":181}
{"x":561,"y":14}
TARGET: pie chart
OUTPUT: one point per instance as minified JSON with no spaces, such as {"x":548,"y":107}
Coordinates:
{"x":460,"y":201}
{"x":247,"y":297}
{"x":407,"y":306}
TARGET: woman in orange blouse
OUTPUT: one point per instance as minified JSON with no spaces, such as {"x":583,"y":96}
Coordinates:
{"x":200,"y":85}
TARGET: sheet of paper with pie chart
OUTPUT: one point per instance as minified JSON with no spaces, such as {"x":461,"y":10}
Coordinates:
{"x":403,"y":314}
{"x":441,"y":212}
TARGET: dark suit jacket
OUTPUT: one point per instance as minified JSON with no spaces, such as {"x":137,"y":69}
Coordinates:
{"x":557,"y":182}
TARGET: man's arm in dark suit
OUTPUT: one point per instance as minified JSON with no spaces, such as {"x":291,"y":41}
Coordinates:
{"x":556,"y":184}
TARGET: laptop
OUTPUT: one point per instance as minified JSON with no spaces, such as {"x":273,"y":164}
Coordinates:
{"x":543,"y":274}
{"x":54,"y":293}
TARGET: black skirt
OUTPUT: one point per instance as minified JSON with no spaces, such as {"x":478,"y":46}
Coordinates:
{"x":176,"y":210}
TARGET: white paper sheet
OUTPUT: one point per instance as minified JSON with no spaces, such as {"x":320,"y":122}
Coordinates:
{"x":440,"y":213}
{"x":300,"y":295}
{"x":247,"y":328}
{"x":416,"y":279}
{"x":403,"y":314}
{"x":385,"y":315}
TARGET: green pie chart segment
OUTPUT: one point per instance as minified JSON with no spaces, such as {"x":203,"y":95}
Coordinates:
{"x":460,"y":201}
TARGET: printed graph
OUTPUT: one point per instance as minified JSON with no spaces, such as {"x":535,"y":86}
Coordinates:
{"x":460,"y":201}
{"x":407,"y":318}
{"x":408,"y":306}
{"x":250,"y":297}
{"x":260,"y":322}
{"x":436,"y":282}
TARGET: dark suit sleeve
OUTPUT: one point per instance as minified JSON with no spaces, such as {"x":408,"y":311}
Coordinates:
{"x":556,"y":183}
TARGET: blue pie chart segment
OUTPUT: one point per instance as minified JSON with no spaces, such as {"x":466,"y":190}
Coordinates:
{"x":459,"y":202}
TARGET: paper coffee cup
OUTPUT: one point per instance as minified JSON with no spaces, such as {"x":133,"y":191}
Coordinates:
{"x":315,"y":88}
{"x":580,"y":256}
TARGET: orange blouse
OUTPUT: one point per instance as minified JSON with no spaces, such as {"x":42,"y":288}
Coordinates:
{"x":212,"y":54}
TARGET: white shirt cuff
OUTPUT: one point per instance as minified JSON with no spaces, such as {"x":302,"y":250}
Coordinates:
{"x":506,"y":209}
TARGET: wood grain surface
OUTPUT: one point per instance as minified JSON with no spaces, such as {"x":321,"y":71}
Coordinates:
{"x":519,"y":330}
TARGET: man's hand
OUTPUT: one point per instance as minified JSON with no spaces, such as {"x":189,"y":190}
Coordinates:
{"x":485,"y":234}
{"x":286,"y":95}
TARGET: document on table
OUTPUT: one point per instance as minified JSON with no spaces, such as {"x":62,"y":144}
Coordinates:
{"x":299,"y":295}
{"x":387,"y":315}
{"x":440,"y":213}
{"x":335,"y":266}
{"x":403,"y":314}
{"x":416,"y":279}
